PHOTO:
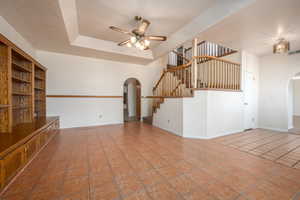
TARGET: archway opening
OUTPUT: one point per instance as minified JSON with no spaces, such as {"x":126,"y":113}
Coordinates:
{"x":132,"y":100}
{"x":294,"y":104}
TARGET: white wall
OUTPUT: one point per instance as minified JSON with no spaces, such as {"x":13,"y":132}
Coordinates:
{"x":296,"y":97}
{"x":251,"y":64}
{"x":75,"y":75}
{"x":10,"y":33}
{"x":275,"y":74}
{"x":169,"y":116}
{"x":207,"y":115}
{"x":211,"y":114}
{"x":131,"y":99}
{"x":224,"y":113}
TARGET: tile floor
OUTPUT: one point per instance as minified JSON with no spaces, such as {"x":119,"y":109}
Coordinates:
{"x":140,"y":162}
{"x":283,"y":148}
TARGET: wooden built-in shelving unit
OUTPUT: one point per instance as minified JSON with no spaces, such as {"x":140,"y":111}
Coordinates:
{"x":24,"y":127}
{"x":22,"y":87}
{"x":39,"y":91}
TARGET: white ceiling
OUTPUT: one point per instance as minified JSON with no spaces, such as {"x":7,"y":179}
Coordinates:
{"x":166,"y":16}
{"x":80,"y":27}
{"x":257,"y":27}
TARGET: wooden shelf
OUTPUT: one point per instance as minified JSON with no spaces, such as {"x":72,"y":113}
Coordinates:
{"x":20,"y":80}
{"x":40,"y":100}
{"x":3,"y":106}
{"x":21,"y":107}
{"x":21,"y":94}
{"x":20,"y":68}
{"x":37,"y":88}
{"x":39,"y":78}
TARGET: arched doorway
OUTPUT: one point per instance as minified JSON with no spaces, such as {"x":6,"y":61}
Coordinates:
{"x":294,"y":104}
{"x":132,"y":100}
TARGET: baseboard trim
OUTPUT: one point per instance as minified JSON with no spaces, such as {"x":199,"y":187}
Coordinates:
{"x":274,"y":129}
{"x":212,"y":137}
{"x":92,"y":126}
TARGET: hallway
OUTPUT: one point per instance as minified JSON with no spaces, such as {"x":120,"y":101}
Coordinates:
{"x":140,"y":162}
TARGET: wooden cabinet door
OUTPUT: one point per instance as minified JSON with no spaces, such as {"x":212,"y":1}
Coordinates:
{"x":2,"y":180}
{"x":32,"y":147}
{"x":13,"y":162}
{"x":43,"y":138}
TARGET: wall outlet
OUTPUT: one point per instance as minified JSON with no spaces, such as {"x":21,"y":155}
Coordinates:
{"x":100,"y":116}
{"x":168,"y":121}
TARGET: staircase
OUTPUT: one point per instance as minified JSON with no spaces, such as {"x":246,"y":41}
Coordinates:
{"x":205,"y":71}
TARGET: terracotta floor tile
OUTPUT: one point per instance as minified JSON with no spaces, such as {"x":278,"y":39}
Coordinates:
{"x":107,"y":191}
{"x":140,"y":195}
{"x":199,"y":194}
{"x":200,"y":177}
{"x":183,"y":184}
{"x":151,"y":177}
{"x":72,"y":186}
{"x":169,"y":171}
{"x":100,"y":178}
{"x":129,"y":185}
{"x":163,"y":191}
{"x":19,"y":196}
{"x":221,"y":191}
{"x":83,"y":195}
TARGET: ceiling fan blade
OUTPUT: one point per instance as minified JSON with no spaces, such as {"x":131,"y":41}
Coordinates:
{"x":156,"y":38}
{"x":143,"y":26}
{"x":123,"y":43}
{"x":120,"y":30}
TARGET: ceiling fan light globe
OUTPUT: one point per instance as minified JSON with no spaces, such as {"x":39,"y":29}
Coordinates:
{"x":129,"y":44}
{"x":133,"y":39}
{"x":138,"y":44}
{"x":147,"y":42}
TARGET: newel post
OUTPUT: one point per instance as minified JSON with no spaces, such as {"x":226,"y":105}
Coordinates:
{"x":194,"y":63}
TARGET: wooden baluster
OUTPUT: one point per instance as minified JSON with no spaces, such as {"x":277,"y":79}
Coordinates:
{"x":224,"y":74}
{"x":231,"y":77}
{"x":235,"y":77}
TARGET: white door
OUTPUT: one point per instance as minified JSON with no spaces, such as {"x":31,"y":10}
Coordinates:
{"x":249,"y":101}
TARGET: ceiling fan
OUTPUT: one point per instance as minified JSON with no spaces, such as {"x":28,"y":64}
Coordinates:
{"x":138,"y":38}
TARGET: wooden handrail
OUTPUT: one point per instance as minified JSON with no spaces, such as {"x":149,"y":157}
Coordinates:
{"x":161,"y":77}
{"x":81,"y":96}
{"x":216,"y":58}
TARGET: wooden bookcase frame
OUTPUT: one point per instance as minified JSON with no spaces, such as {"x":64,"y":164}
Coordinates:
{"x":22,"y":86}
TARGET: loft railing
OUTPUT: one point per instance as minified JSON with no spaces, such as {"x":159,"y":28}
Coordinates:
{"x":206,"y":48}
{"x":216,"y":73}
{"x":208,"y":72}
{"x":175,"y":59}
